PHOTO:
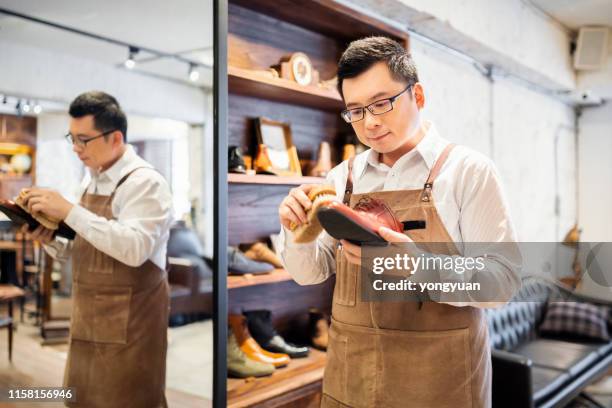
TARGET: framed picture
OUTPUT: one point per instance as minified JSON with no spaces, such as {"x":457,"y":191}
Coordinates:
{"x":282,"y":154}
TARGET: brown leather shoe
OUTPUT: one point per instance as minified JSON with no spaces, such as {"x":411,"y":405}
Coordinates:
{"x":359,"y":224}
{"x":260,"y":252}
{"x":324,"y":164}
{"x":249,"y":346}
{"x":318,"y":326}
{"x":262,"y":163}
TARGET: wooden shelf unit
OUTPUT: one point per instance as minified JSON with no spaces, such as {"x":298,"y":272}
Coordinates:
{"x":241,"y":281}
{"x":252,"y":83}
{"x":269,"y":179}
{"x":300,"y":372}
{"x":260,"y":32}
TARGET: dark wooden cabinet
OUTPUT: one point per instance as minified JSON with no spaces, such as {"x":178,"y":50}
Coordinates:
{"x":260,"y":33}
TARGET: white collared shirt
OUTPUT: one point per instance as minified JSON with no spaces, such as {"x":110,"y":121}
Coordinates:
{"x":467,"y":194}
{"x":142,"y":208}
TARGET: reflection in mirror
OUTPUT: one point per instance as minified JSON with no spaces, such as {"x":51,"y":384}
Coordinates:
{"x":106,"y":131}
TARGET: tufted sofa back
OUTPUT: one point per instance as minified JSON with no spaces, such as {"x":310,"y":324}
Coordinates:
{"x":516,"y":322}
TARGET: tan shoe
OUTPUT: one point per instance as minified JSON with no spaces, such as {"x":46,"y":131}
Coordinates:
{"x":250,"y":347}
{"x":260,"y":252}
{"x":324,"y":163}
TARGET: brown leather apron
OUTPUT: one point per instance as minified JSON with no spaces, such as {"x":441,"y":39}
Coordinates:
{"x":405,"y":354}
{"x":117,"y":354}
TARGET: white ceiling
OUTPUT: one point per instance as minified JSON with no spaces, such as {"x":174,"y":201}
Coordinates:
{"x":182,"y":27}
{"x":577,"y":13}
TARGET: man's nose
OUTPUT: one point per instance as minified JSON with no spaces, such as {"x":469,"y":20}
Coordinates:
{"x":371,"y":121}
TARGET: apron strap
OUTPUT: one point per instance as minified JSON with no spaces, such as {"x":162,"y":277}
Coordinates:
{"x":348,"y":190}
{"x":435,"y":170}
{"x":124,"y":178}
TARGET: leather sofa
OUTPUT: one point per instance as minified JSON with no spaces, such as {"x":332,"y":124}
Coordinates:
{"x":189,"y":274}
{"x":533,"y":371}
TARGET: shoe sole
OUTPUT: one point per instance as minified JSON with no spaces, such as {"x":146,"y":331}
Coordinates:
{"x":340,"y":226}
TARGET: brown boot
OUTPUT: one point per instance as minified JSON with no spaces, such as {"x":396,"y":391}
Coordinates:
{"x":249,"y":346}
{"x":319,"y":327}
{"x":262,"y":163}
{"x":324,"y":163}
{"x":260,"y":252}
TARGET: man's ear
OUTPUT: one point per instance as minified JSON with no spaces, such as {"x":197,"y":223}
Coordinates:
{"x":419,"y":95}
{"x":117,"y":137}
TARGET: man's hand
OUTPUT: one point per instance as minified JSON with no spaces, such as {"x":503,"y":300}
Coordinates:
{"x":392,"y":236}
{"x":352,"y":252}
{"x":293,"y":207}
{"x":48,"y":202}
{"x":40,"y":234}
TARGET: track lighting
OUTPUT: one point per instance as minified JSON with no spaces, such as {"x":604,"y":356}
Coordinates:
{"x":194,"y":75}
{"x":37,"y":108}
{"x":26,"y":107}
{"x":130,"y":63}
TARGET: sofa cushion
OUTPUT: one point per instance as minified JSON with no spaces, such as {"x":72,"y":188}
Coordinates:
{"x":576,"y":319}
{"x":572,"y":358}
{"x":546,"y":381}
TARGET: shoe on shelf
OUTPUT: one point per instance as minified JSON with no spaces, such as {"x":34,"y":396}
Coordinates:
{"x":235,"y":161}
{"x":262,"y":162}
{"x":259,"y":251}
{"x":239,"y":264}
{"x":324,"y":163}
{"x":240,"y":366}
{"x":319,"y":327}
{"x":348,"y":151}
{"x":359,"y":224}
{"x":250,"y":347}
{"x":262,"y":330}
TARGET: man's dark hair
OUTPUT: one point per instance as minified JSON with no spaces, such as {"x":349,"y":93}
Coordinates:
{"x":107,"y":113}
{"x":361,"y":54}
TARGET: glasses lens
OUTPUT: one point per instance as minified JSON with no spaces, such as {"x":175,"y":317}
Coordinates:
{"x":380,"y":107}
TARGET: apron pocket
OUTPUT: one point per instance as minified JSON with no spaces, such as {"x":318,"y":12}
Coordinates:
{"x":101,"y":314}
{"x":430,"y":369}
{"x":345,"y":290}
{"x":335,"y":377}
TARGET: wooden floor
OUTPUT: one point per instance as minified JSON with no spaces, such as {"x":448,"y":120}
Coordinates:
{"x":43,"y":366}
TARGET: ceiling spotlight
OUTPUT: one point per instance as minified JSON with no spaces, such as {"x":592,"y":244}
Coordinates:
{"x":4,"y":100}
{"x":18,"y":106}
{"x":194,"y":75}
{"x":26,"y":107}
{"x":130,"y":63}
{"x":37,"y":108}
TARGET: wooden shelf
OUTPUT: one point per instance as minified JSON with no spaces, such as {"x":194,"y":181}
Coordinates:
{"x":252,"y":83}
{"x":299,"y":373}
{"x":270,"y":179}
{"x":241,"y":281}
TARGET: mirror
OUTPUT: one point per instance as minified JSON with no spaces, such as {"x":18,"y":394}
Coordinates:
{"x":156,"y":60}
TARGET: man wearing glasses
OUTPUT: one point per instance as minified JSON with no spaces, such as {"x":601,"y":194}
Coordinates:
{"x":404,"y":353}
{"x":117,"y":355}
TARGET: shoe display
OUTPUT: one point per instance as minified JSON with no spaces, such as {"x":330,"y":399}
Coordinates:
{"x":250,"y":347}
{"x":262,"y":163}
{"x":320,"y":195}
{"x":261,"y":252}
{"x":348,"y":151}
{"x":359,"y":224}
{"x":240,"y":366}
{"x":324,"y":163}
{"x":239,"y":264}
{"x":260,"y":327}
{"x":235,"y":161}
{"x":318,"y":327}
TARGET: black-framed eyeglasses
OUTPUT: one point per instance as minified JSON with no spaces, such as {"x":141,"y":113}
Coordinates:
{"x":376,"y":108}
{"x":73,"y":140}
